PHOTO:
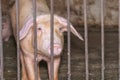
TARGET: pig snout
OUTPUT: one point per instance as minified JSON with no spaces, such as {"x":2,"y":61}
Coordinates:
{"x":57,"y":49}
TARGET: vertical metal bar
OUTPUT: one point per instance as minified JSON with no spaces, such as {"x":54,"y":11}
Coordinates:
{"x":119,"y":40}
{"x":1,"y":46}
{"x":35,"y":40}
{"x":18,"y":46}
{"x":68,"y":38}
{"x":86,"y":40}
{"x":102,"y":40}
{"x":52,"y":39}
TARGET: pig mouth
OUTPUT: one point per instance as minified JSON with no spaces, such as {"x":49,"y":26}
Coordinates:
{"x":57,"y":49}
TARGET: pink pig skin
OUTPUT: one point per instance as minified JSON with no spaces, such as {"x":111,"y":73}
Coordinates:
{"x":26,"y":35}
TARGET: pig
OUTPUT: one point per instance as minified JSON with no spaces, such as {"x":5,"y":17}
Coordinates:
{"x":6,"y":30}
{"x":26,"y":37}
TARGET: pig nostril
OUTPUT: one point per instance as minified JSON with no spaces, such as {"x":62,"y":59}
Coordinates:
{"x":57,"y":49}
{"x":39,"y":28}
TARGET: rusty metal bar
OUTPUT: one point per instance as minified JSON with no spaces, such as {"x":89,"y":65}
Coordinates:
{"x":18,"y":42}
{"x":102,"y":40}
{"x":68,"y":40}
{"x":119,"y":40}
{"x":86,"y":40}
{"x":1,"y":46}
{"x":52,"y":39}
{"x":35,"y":40}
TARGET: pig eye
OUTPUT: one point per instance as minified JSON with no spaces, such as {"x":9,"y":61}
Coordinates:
{"x":61,"y":28}
{"x":39,"y":28}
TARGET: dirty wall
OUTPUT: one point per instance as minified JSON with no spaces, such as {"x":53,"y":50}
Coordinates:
{"x":93,"y":11}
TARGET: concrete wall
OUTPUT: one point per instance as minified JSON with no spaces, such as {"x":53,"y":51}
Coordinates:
{"x":93,"y":11}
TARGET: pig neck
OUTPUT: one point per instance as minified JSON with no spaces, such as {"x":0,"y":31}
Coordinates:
{"x":26,"y":9}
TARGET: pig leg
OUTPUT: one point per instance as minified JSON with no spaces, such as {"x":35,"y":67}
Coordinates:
{"x":29,"y":64}
{"x":24,"y":74}
{"x":56,"y":67}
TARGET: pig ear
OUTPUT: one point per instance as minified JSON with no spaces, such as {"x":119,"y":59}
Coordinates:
{"x":23,"y":32}
{"x":73,"y":30}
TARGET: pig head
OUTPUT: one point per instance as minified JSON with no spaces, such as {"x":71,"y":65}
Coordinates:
{"x":43,"y":34}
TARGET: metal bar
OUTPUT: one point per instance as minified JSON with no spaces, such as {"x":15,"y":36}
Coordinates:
{"x":1,"y":46}
{"x":68,"y":39}
{"x":119,"y":40}
{"x":102,"y":40}
{"x":18,"y":43}
{"x":52,"y":39}
{"x":86,"y":40}
{"x":35,"y":40}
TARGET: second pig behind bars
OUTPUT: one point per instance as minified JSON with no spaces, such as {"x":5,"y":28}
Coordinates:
{"x":26,"y":34}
